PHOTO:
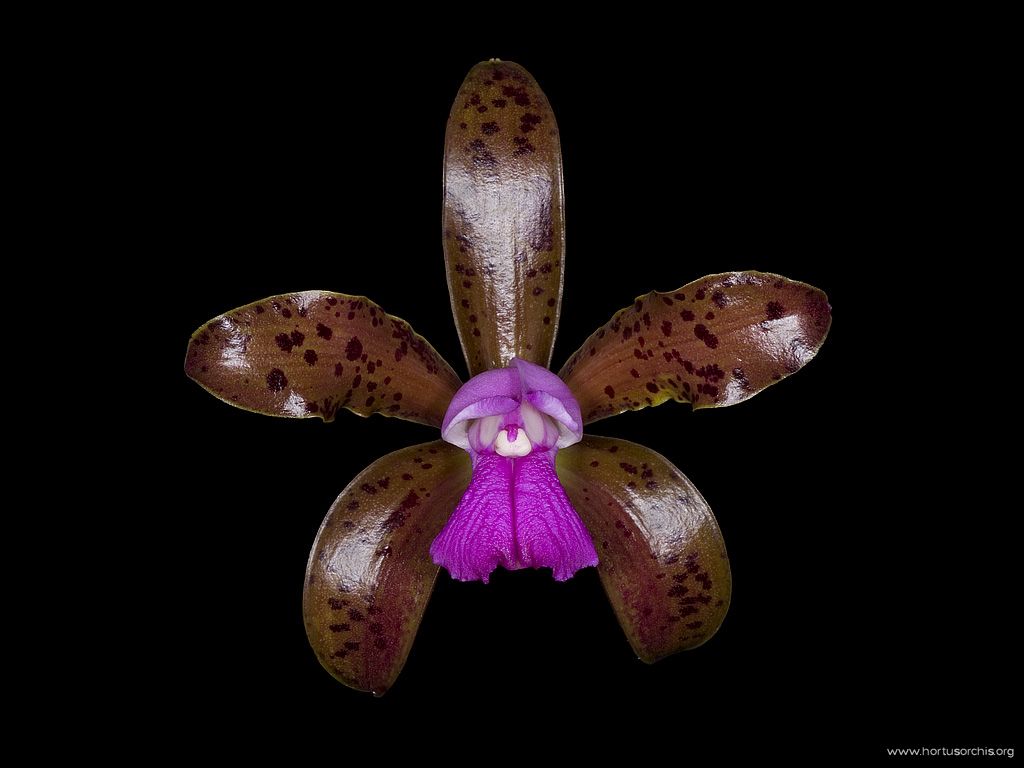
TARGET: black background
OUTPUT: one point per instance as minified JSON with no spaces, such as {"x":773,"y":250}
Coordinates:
{"x":868,"y":603}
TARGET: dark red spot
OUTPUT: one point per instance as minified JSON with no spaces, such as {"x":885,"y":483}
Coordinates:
{"x":398,"y":517}
{"x":323,"y":331}
{"x":310,"y":357}
{"x":699,"y":296}
{"x":528,"y":122}
{"x":286,"y":312}
{"x":490,"y":128}
{"x":652,"y":387}
{"x":338,"y":369}
{"x":499,"y":103}
{"x":482,"y":156}
{"x":297,"y":338}
{"x":481,"y":109}
{"x":426,"y":466}
{"x":259,"y":309}
{"x":630,"y":469}
{"x":331,"y":301}
{"x":338,"y":627}
{"x":719,"y":299}
{"x":283,"y":342}
{"x":336,"y":603}
{"x":523,"y":146}
{"x":702,"y":333}
{"x":276,"y":380}
{"x":354,"y":349}
{"x":709,"y":316}
{"x":551,"y":301}
{"x":537,"y":290}
{"x":774,"y":310}
{"x":594,"y":463}
{"x":635,"y":373}
{"x":369,"y":401}
{"x":517,"y":94}
{"x":547,"y":320}
{"x":609,"y":391}
{"x":666,"y":327}
{"x":355,"y":615}
{"x":687,"y":315}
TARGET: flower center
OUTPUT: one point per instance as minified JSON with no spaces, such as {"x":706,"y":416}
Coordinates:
{"x":513,"y":443}
{"x":514,"y":434}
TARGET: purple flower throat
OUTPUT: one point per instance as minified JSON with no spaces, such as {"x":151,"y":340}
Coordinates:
{"x":515,"y":514}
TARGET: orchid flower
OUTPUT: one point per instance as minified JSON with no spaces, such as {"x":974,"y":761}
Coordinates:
{"x":513,"y":481}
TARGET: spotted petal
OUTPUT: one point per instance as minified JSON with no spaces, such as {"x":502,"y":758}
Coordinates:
{"x":714,"y":342}
{"x":370,"y":574}
{"x":503,"y":228}
{"x":662,"y":559}
{"x":309,"y":354}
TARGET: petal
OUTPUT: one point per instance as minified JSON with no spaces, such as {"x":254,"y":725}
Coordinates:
{"x":663,"y":561}
{"x":503,"y":231}
{"x":479,"y":535}
{"x":370,"y":575}
{"x":549,"y":394}
{"x":549,"y":533}
{"x":714,"y":342}
{"x":308,"y":354}
{"x":487,"y":394}
{"x":516,"y":515}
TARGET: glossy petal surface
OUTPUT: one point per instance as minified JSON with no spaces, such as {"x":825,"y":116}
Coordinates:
{"x":503,"y":217}
{"x":309,"y":354}
{"x":516,"y":515}
{"x":663,"y":560}
{"x":370,"y":575}
{"x":714,"y":342}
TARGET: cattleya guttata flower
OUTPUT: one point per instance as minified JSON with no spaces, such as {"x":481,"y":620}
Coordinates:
{"x":513,"y":482}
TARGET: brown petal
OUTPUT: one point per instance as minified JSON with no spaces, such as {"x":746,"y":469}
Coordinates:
{"x":309,"y":354}
{"x":503,"y":224}
{"x":370,"y":573}
{"x":662,"y":558}
{"x":716,"y":341}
